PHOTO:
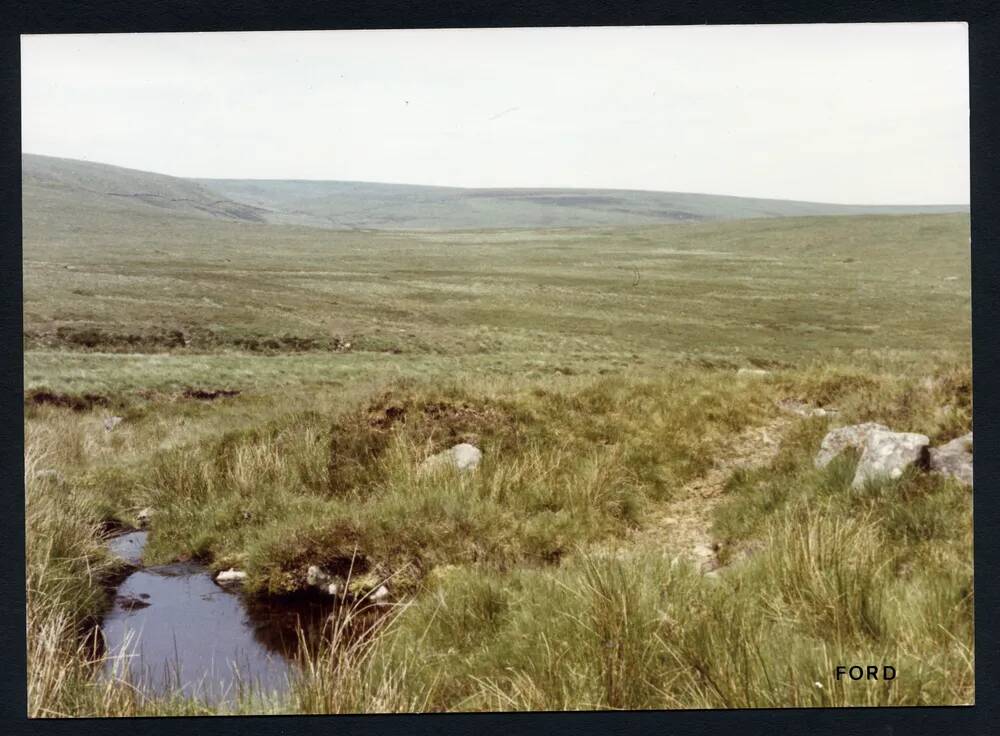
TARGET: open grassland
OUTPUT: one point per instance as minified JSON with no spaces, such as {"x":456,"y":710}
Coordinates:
{"x":596,"y":369}
{"x":771,"y":292}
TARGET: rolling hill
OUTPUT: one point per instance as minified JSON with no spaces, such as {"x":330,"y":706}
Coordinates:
{"x":61,"y":184}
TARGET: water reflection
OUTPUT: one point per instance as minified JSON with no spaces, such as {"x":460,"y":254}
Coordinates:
{"x":172,"y":629}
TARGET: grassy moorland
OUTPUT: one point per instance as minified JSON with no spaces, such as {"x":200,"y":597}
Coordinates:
{"x":596,"y":369}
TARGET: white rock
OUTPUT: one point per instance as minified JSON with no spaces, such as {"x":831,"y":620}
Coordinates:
{"x":144,"y":516}
{"x":463,"y":457}
{"x":230,"y":576}
{"x":888,"y":454}
{"x":112,"y":422}
{"x":333,"y":589}
{"x":380,"y":595}
{"x":752,"y":372}
{"x":840,"y":439}
{"x":316,"y":577}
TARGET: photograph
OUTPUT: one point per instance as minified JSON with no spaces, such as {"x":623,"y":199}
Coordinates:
{"x":432,"y":370}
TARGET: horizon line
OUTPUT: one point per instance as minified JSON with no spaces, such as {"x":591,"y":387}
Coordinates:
{"x":496,"y":188}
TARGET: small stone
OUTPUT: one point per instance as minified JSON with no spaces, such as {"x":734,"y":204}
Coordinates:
{"x":230,"y":577}
{"x":706,"y":558}
{"x":380,"y":595}
{"x":802,"y":409}
{"x":333,"y":589}
{"x":111,"y":422}
{"x":144,"y":517}
{"x":315,"y":577}
{"x":462,"y":457}
{"x":48,"y":474}
{"x":752,"y":372}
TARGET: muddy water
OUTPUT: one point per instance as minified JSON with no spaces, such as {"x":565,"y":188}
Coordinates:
{"x":172,"y":629}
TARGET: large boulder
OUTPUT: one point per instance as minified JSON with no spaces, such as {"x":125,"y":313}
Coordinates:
{"x":838,"y":440}
{"x":463,"y":457}
{"x":887,"y":454}
{"x":954,"y":459}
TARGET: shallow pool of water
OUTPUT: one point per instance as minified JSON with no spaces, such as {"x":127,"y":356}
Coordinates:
{"x":173,"y":629}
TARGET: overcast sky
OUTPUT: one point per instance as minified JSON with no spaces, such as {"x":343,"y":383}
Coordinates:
{"x":868,"y":113}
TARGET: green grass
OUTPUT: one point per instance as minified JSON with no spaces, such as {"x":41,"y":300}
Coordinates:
{"x":542,"y":581}
{"x":763,"y":291}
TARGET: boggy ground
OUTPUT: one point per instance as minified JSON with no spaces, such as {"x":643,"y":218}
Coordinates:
{"x":276,"y":404}
{"x":506,"y":596}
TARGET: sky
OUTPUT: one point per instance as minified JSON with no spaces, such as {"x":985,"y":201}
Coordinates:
{"x":853,"y":113}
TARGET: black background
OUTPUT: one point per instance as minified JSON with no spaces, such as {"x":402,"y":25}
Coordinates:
{"x":66,"y":16}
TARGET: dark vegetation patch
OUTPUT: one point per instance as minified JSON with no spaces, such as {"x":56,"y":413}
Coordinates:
{"x":210,"y":394}
{"x":100,"y":338}
{"x":75,"y":402}
{"x":359,"y":438}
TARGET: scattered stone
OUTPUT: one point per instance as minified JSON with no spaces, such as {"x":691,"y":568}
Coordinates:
{"x":887,"y":454}
{"x":954,"y":459}
{"x":230,"y":577}
{"x":838,"y":440}
{"x":363,"y":584}
{"x":793,"y":406}
{"x":706,"y":556}
{"x":316,"y":578}
{"x":752,"y":372}
{"x":111,"y":422}
{"x":461,"y":457}
{"x":143,"y":518}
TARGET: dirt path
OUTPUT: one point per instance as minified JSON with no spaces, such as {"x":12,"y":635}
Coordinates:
{"x":681,"y":527}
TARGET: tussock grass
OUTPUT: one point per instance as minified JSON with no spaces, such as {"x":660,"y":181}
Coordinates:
{"x":595,"y":403}
{"x":505,"y":606}
{"x":561,"y":467}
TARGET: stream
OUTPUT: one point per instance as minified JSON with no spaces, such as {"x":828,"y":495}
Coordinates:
{"x":172,"y":630}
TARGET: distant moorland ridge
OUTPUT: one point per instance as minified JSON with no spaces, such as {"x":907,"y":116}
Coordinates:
{"x":346,"y":205}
